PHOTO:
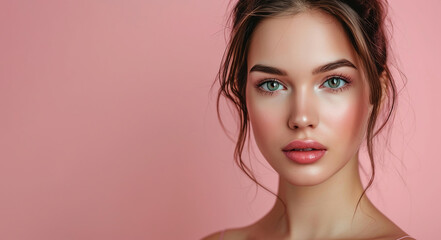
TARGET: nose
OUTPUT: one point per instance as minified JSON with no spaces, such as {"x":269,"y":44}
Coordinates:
{"x":303,"y":111}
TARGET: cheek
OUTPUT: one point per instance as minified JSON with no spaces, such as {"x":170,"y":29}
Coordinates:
{"x":267,"y":119}
{"x":347,"y":120}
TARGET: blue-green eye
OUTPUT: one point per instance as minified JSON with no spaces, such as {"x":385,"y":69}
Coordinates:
{"x":271,"y":86}
{"x":335,"y":82}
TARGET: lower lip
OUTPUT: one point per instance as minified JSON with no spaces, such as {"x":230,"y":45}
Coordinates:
{"x":305,"y":157}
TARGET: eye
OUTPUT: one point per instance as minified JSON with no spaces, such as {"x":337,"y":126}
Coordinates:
{"x":271,"y":86}
{"x":335,"y":83}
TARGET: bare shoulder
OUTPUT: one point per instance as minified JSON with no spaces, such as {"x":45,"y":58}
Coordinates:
{"x":396,"y":237}
{"x":383,"y":228}
{"x":393,"y":232}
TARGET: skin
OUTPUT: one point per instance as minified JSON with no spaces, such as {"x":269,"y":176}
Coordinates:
{"x":299,"y":104}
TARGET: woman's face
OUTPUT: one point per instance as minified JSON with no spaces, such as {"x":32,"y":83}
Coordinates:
{"x":305,"y":83}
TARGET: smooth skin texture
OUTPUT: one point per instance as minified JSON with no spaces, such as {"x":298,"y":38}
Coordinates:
{"x":305,"y":82}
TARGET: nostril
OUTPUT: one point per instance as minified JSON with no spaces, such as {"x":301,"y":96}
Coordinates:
{"x":297,"y":126}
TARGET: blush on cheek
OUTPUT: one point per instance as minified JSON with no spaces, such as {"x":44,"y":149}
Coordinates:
{"x":266,"y":120}
{"x":347,"y":122}
{"x":261,"y":120}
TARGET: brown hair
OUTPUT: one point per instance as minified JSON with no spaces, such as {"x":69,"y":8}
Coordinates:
{"x":364,"y":24}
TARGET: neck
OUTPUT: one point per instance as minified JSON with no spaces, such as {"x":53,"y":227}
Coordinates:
{"x":322,"y":210}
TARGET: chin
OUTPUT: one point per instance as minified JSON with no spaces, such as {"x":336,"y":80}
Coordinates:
{"x":309,"y":175}
{"x":306,"y":179}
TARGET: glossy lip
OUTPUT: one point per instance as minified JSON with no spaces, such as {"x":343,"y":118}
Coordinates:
{"x":304,"y":157}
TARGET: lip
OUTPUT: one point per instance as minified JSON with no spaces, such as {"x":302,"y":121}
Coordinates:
{"x":304,"y":157}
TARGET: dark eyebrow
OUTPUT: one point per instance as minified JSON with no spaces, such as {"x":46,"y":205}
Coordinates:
{"x":267,"y":69}
{"x":327,"y":67}
{"x":333,"y":65}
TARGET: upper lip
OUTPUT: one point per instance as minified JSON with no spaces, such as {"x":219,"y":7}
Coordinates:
{"x":302,"y":144}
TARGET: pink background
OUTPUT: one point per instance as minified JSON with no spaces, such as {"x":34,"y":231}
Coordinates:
{"x":108,"y":127}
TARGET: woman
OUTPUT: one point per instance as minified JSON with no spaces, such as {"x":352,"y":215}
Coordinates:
{"x":312,"y":79}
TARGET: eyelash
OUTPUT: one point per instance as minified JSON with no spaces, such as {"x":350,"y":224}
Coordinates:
{"x":343,"y":77}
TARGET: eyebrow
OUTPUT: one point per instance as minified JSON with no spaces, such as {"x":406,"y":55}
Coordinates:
{"x":267,"y":69}
{"x":333,"y":65}
{"x":324,"y":68}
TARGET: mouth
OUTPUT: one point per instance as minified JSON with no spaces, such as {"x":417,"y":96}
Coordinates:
{"x":303,"y":145}
{"x":304,"y":151}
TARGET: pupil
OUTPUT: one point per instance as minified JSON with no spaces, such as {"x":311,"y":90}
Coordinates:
{"x":335,"y":82}
{"x":273,"y":85}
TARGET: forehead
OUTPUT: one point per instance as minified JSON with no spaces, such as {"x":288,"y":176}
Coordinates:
{"x":299,"y":42}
